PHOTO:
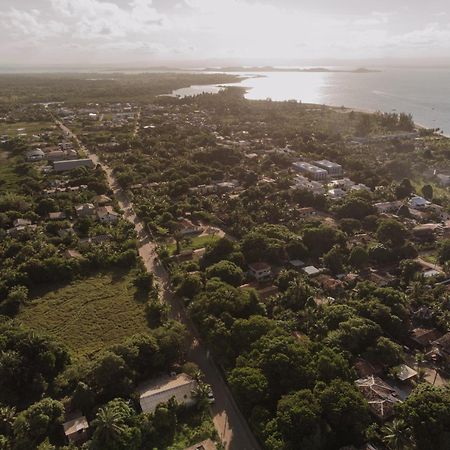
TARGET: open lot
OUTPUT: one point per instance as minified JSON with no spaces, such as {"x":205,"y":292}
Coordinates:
{"x":90,"y":314}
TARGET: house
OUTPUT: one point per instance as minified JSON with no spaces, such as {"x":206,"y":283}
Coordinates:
{"x":313,"y":172}
{"x":388,"y":207}
{"x":260,"y":271}
{"x":57,"y":215}
{"x":441,"y":348}
{"x":444,"y":180}
{"x":106,"y":214}
{"x":56,"y":155}
{"x":421,"y":338}
{"x":301,"y":182}
{"x":405,"y":373}
{"x":72,"y":254}
{"x":333,"y":169}
{"x":85,"y":210}
{"x":21,"y":223}
{"x":35,"y":155}
{"x":418,"y":202}
{"x":306,"y":212}
{"x":62,"y":166}
{"x":161,"y":390}
{"x":381,"y":397}
{"x":204,"y":445}
{"x":426,"y":231}
{"x":186,"y":227}
{"x":296,"y":263}
{"x":77,"y":429}
{"x":336,"y":194}
{"x":311,"y":271}
{"x":343,"y":183}
{"x":102,"y":200}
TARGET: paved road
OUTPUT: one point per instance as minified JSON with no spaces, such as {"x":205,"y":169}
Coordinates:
{"x":228,"y":420}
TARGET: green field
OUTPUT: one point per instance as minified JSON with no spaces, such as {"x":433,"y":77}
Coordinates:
{"x":12,"y":129}
{"x":90,"y":314}
{"x":9,"y":180}
{"x":194,"y":243}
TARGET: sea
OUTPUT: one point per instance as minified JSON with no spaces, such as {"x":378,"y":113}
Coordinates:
{"x":422,"y":92}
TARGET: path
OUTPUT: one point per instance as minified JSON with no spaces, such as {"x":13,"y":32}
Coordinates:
{"x":228,"y":420}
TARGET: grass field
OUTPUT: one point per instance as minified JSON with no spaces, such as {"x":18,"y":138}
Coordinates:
{"x":9,"y":180}
{"x":193,"y":243}
{"x":90,"y":314}
{"x":12,"y":129}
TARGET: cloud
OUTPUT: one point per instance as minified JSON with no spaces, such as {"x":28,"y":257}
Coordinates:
{"x":219,"y":29}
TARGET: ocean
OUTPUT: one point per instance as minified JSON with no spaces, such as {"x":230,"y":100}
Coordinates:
{"x":422,"y":92}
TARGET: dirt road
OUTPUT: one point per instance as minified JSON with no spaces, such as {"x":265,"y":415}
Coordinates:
{"x":231,"y":426}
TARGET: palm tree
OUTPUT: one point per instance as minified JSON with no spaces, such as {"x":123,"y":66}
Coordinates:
{"x":109,"y":426}
{"x":397,"y":436}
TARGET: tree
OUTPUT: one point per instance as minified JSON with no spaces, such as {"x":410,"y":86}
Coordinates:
{"x":397,"y":436}
{"x":298,"y":418}
{"x":346,"y":411}
{"x":444,"y":251}
{"x":321,"y":240}
{"x":427,"y":412}
{"x":358,"y":258}
{"x":391,"y":232}
{"x":227,"y":271}
{"x":190,"y":286}
{"x":409,"y":268}
{"x":386,"y":352}
{"x":427,"y":191}
{"x":40,"y":420}
{"x":404,"y":189}
{"x":355,"y":208}
{"x":334,"y":260}
{"x":113,"y":430}
{"x":249,"y":385}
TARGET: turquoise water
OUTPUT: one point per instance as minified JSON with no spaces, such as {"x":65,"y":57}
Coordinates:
{"x":425,"y":93}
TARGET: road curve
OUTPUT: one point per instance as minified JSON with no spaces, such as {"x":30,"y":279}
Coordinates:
{"x":230,"y":424}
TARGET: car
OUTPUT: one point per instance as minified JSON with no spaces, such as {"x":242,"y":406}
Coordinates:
{"x":211,"y":398}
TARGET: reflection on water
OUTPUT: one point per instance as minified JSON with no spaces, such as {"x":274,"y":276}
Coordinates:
{"x":425,"y":93}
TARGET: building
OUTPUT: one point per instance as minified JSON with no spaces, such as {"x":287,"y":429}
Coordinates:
{"x":388,"y":207}
{"x":106,"y":214}
{"x":77,"y":429}
{"x":260,"y":271}
{"x":85,"y":210}
{"x":417,"y":202}
{"x":311,"y":271}
{"x":161,"y":390}
{"x":56,"y":155}
{"x":333,"y":169}
{"x":336,"y":194}
{"x":443,"y":179}
{"x":306,"y":212}
{"x":62,"y":166}
{"x":342,"y":183}
{"x":313,"y":172}
{"x":59,"y":215}
{"x":422,"y":338}
{"x":381,"y":397}
{"x":204,"y":445}
{"x":441,"y":348}
{"x":35,"y":155}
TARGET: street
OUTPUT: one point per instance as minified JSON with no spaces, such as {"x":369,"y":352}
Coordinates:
{"x":230,"y":424}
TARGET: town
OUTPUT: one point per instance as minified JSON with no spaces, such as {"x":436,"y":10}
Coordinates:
{"x":210,"y":272}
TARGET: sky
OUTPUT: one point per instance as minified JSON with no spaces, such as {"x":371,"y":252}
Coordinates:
{"x":183,"y":32}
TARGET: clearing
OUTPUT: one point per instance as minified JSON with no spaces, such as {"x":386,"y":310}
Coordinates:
{"x":89,"y":314}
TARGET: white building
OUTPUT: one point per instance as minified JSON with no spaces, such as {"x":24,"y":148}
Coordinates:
{"x":333,"y":169}
{"x":313,"y":172}
{"x":260,"y":271}
{"x":161,"y":390}
{"x":336,"y":194}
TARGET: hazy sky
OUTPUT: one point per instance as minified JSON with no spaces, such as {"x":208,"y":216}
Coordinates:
{"x":159,"y":31}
